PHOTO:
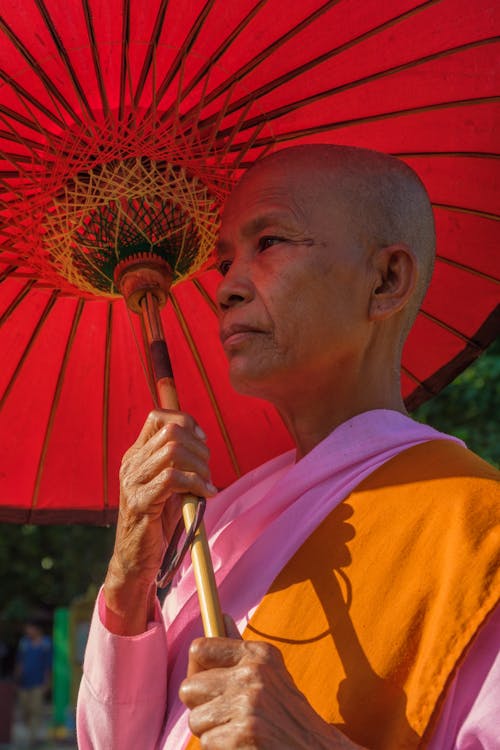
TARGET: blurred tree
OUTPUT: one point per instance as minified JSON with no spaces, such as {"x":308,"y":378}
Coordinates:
{"x":43,"y":567}
{"x":470,"y":406}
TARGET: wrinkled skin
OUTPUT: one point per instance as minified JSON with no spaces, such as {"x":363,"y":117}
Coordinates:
{"x":242,"y":697}
{"x":169,"y":458}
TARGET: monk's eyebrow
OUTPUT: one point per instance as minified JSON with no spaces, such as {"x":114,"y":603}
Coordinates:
{"x":263,"y":221}
{"x":278,"y":221}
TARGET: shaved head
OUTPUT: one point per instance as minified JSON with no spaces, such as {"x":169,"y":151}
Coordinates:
{"x":382,"y":198}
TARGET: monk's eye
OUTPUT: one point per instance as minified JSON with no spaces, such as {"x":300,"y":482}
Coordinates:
{"x":266,"y":242}
{"x":224,"y":266}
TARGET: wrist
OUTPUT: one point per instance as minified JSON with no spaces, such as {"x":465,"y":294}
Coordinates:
{"x":129,"y":601}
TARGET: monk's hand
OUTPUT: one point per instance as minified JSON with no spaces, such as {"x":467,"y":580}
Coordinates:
{"x":168,"y":459}
{"x":241,"y":696}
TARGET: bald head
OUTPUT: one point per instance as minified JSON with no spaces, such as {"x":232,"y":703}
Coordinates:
{"x":381,"y":197}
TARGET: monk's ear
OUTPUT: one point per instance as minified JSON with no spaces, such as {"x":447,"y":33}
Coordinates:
{"x":395,"y":269}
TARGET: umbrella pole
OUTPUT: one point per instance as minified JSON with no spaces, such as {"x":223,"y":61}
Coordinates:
{"x":211,"y":615}
{"x":145,"y":291}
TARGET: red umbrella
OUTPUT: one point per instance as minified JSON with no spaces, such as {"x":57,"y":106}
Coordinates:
{"x":123,"y":123}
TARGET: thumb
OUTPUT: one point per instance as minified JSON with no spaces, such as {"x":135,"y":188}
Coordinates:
{"x":231,"y":629}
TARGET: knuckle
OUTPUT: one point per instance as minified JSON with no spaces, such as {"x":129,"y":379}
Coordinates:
{"x":266,"y":653}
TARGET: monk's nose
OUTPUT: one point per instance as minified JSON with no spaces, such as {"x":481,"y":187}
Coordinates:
{"x":236,"y":287}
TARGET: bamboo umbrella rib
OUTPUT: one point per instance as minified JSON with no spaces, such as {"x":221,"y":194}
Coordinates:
{"x":8,"y":136}
{"x":216,"y":55}
{"x":153,"y":42}
{"x":17,"y":300}
{"x":32,"y":124}
{"x":36,"y":331}
{"x":105,"y":404}
{"x":438,"y":154}
{"x":55,"y":402}
{"x":412,"y":377}
{"x":468,"y":269}
{"x":22,"y":93}
{"x":206,"y":382}
{"x":63,"y":54}
{"x":329,"y":93}
{"x":124,"y":56}
{"x":183,"y":51}
{"x":210,"y":302}
{"x":337,"y":125}
{"x":465,"y":210}
{"x":310,"y":64}
{"x":8,"y":272}
{"x":95,"y":56}
{"x":451,"y":330}
{"x":46,"y":80}
{"x":240,"y":73}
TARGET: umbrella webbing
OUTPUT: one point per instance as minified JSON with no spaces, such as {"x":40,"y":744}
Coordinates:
{"x":125,"y":208}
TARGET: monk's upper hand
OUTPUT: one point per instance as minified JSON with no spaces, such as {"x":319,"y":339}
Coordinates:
{"x":168,"y":459}
{"x":241,"y":696}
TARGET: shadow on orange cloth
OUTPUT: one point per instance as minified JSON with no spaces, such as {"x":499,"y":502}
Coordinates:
{"x":378,"y":607}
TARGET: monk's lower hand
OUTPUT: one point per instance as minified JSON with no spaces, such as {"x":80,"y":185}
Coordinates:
{"x":168,"y":459}
{"x":241,"y":697}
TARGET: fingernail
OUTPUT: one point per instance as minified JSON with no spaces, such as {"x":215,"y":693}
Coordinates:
{"x":211,"y":488}
{"x":199,"y":432}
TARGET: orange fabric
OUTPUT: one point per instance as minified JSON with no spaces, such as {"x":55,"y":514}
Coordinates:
{"x":377,"y":608}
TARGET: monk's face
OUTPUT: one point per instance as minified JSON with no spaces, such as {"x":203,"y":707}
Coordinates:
{"x":294,"y":296}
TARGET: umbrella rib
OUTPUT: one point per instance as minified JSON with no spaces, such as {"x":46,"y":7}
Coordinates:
{"x":315,"y":129}
{"x":151,"y":48}
{"x":437,"y":154}
{"x":464,"y":210}
{"x":48,"y":307}
{"x":8,"y":271}
{"x":468,"y":269}
{"x":11,"y":114}
{"x":47,"y":82}
{"x":239,"y":74}
{"x":105,"y":405}
{"x":124,"y":63}
{"x":55,"y":402}
{"x":210,"y":302}
{"x":328,"y":93}
{"x":450,"y":329}
{"x":95,"y":56}
{"x":22,"y":93}
{"x":17,"y":301}
{"x":206,"y":382}
{"x":410,"y":375}
{"x":64,"y":57}
{"x":183,"y":51}
{"x":216,"y":56}
{"x":310,"y":64}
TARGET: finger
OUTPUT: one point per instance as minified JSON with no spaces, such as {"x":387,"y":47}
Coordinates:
{"x":203,"y":687}
{"x":159,"y":418}
{"x":210,"y":653}
{"x":153,"y":495}
{"x":231,"y":628}
{"x":171,"y":456}
{"x":175,"y":433}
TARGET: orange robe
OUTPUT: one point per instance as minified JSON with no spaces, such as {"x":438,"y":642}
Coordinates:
{"x":378,"y":607}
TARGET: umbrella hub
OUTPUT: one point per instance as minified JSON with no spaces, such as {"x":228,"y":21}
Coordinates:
{"x":140,"y":274}
{"x":125,"y":209}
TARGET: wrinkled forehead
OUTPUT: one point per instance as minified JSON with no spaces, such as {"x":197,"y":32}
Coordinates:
{"x":278,"y":185}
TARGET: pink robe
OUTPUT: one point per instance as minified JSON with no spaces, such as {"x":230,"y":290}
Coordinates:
{"x":125,"y":693}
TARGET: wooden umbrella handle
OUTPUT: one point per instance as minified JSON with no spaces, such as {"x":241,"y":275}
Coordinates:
{"x":208,"y":596}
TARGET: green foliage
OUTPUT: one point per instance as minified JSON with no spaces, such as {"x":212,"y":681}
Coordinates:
{"x":43,"y":567}
{"x":470,"y":406}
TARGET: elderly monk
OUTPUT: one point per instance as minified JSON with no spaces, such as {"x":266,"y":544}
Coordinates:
{"x":361,"y":567}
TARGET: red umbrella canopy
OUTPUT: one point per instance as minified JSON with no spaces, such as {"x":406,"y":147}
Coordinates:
{"x":122,"y":127}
